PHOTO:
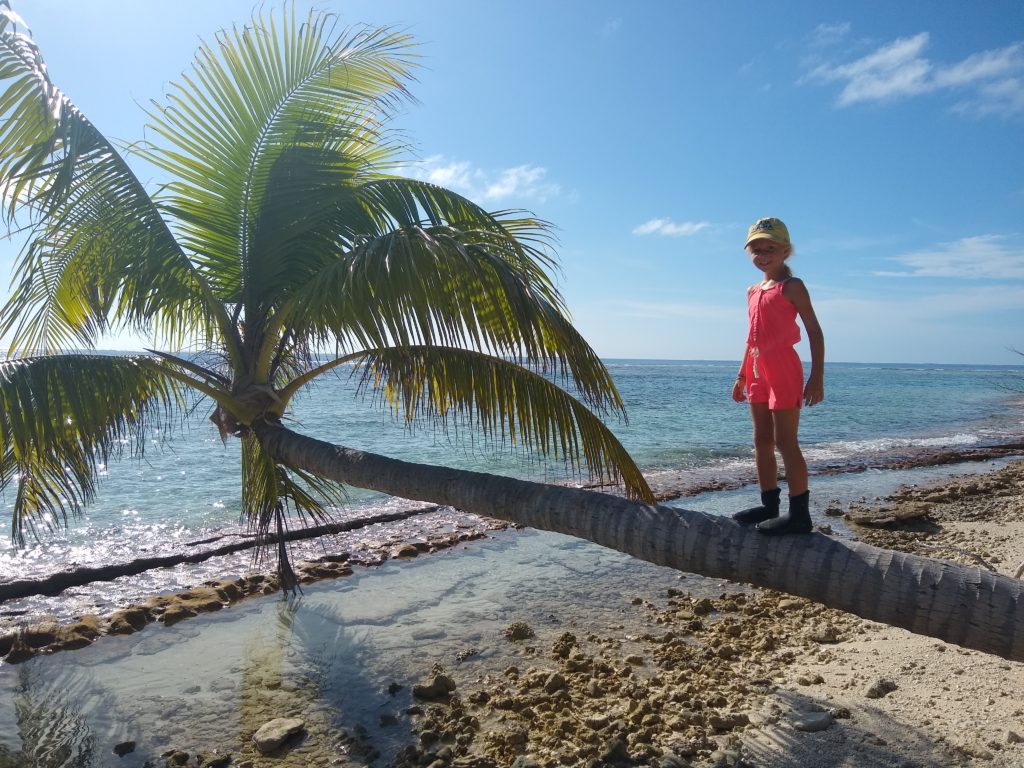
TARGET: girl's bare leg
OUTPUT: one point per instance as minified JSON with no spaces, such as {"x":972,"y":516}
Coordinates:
{"x":764,"y":446}
{"x":786,"y":425}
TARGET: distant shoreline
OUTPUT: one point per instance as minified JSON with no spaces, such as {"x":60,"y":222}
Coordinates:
{"x":1017,"y":367}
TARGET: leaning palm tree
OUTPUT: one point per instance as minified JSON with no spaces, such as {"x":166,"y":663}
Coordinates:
{"x":279,"y":230}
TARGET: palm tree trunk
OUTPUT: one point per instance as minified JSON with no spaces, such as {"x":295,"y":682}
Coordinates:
{"x":963,"y":605}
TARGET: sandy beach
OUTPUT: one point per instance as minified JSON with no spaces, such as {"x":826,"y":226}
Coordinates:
{"x":762,"y":679}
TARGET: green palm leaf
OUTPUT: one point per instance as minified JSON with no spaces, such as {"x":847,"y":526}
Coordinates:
{"x":512,"y":405}
{"x":473,"y":283}
{"x":264,"y":126}
{"x":63,"y":416}
{"x":270,"y":491}
{"x":99,"y":250}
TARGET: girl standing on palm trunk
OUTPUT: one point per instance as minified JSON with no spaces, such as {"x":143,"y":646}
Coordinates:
{"x":770,"y":378}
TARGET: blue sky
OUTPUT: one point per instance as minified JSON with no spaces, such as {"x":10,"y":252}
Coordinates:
{"x":887,"y":135}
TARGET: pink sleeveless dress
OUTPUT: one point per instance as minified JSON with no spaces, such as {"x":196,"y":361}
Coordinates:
{"x":774,"y":372}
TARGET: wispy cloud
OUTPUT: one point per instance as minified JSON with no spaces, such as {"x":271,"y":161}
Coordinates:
{"x":522,"y":183}
{"x":985,"y":257}
{"x":670,"y":228}
{"x":611,"y":27}
{"x":987,"y":82}
{"x":933,"y":310}
{"x":826,"y":35}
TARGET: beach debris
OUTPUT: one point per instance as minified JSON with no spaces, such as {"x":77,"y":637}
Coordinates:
{"x":727,"y":721}
{"x":825,"y":635}
{"x":811,"y":722}
{"x":519,"y":630}
{"x":525,"y":761}
{"x":726,"y":758}
{"x":887,"y":514}
{"x":703,"y":606}
{"x":404,"y":550}
{"x":974,"y":749}
{"x":440,"y":686}
{"x":214,"y":761}
{"x":273,"y":734}
{"x":880,"y":688}
{"x":124,"y":748}
{"x":807,"y":680}
{"x":564,"y":645}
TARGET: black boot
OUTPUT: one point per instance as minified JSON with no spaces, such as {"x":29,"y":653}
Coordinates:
{"x":797,"y":520}
{"x":769,"y":508}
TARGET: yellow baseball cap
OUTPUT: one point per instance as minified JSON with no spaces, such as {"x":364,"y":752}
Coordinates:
{"x":768,"y":229}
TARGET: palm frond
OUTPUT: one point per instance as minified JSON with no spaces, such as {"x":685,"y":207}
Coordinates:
{"x":272,"y":118}
{"x":61,"y":417}
{"x":510,"y":404}
{"x":474,"y":280}
{"x":271,"y":491}
{"x":98,"y":249}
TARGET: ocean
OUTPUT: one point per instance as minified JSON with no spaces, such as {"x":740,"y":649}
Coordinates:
{"x":683,"y":430}
{"x":345,"y":654}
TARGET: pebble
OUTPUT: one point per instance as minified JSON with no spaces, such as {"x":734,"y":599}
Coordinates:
{"x":880,"y":688}
{"x":811,"y":722}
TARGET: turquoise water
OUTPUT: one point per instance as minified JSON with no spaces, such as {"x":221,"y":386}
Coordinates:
{"x":681,"y":420}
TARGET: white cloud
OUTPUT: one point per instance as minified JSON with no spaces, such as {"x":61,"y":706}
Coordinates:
{"x":969,"y":324}
{"x":900,"y":69}
{"x":985,"y":257}
{"x":516,"y":185}
{"x":524,"y":182}
{"x":670,"y":228}
{"x":454,"y":175}
{"x":1003,"y":97}
{"x":611,"y":27}
{"x":894,"y":70}
{"x":983,"y":66}
{"x":826,"y":35}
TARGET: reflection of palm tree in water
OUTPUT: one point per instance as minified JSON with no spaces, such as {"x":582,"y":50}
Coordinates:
{"x":263,"y":694}
{"x":325,"y":683}
{"x":53,"y":731}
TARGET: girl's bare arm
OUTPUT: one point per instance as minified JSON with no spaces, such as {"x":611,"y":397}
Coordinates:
{"x":796,"y":292}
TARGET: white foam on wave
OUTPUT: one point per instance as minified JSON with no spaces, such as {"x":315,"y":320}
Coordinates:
{"x":850,"y":450}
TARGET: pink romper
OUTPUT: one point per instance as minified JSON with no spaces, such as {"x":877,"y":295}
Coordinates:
{"x":773,"y":369}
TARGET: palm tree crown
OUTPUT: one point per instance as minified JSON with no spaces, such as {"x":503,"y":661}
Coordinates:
{"x":282,"y":229}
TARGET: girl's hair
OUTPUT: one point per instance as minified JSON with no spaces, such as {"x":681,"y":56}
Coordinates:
{"x":787,"y":272}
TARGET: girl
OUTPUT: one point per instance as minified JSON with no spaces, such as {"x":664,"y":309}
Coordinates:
{"x":771,"y":378}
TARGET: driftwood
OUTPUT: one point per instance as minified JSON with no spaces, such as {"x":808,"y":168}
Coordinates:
{"x":887,"y":515}
{"x":56,"y":583}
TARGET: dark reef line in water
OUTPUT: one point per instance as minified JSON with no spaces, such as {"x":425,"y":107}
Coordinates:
{"x":24,"y":639}
{"x":669,"y":485}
